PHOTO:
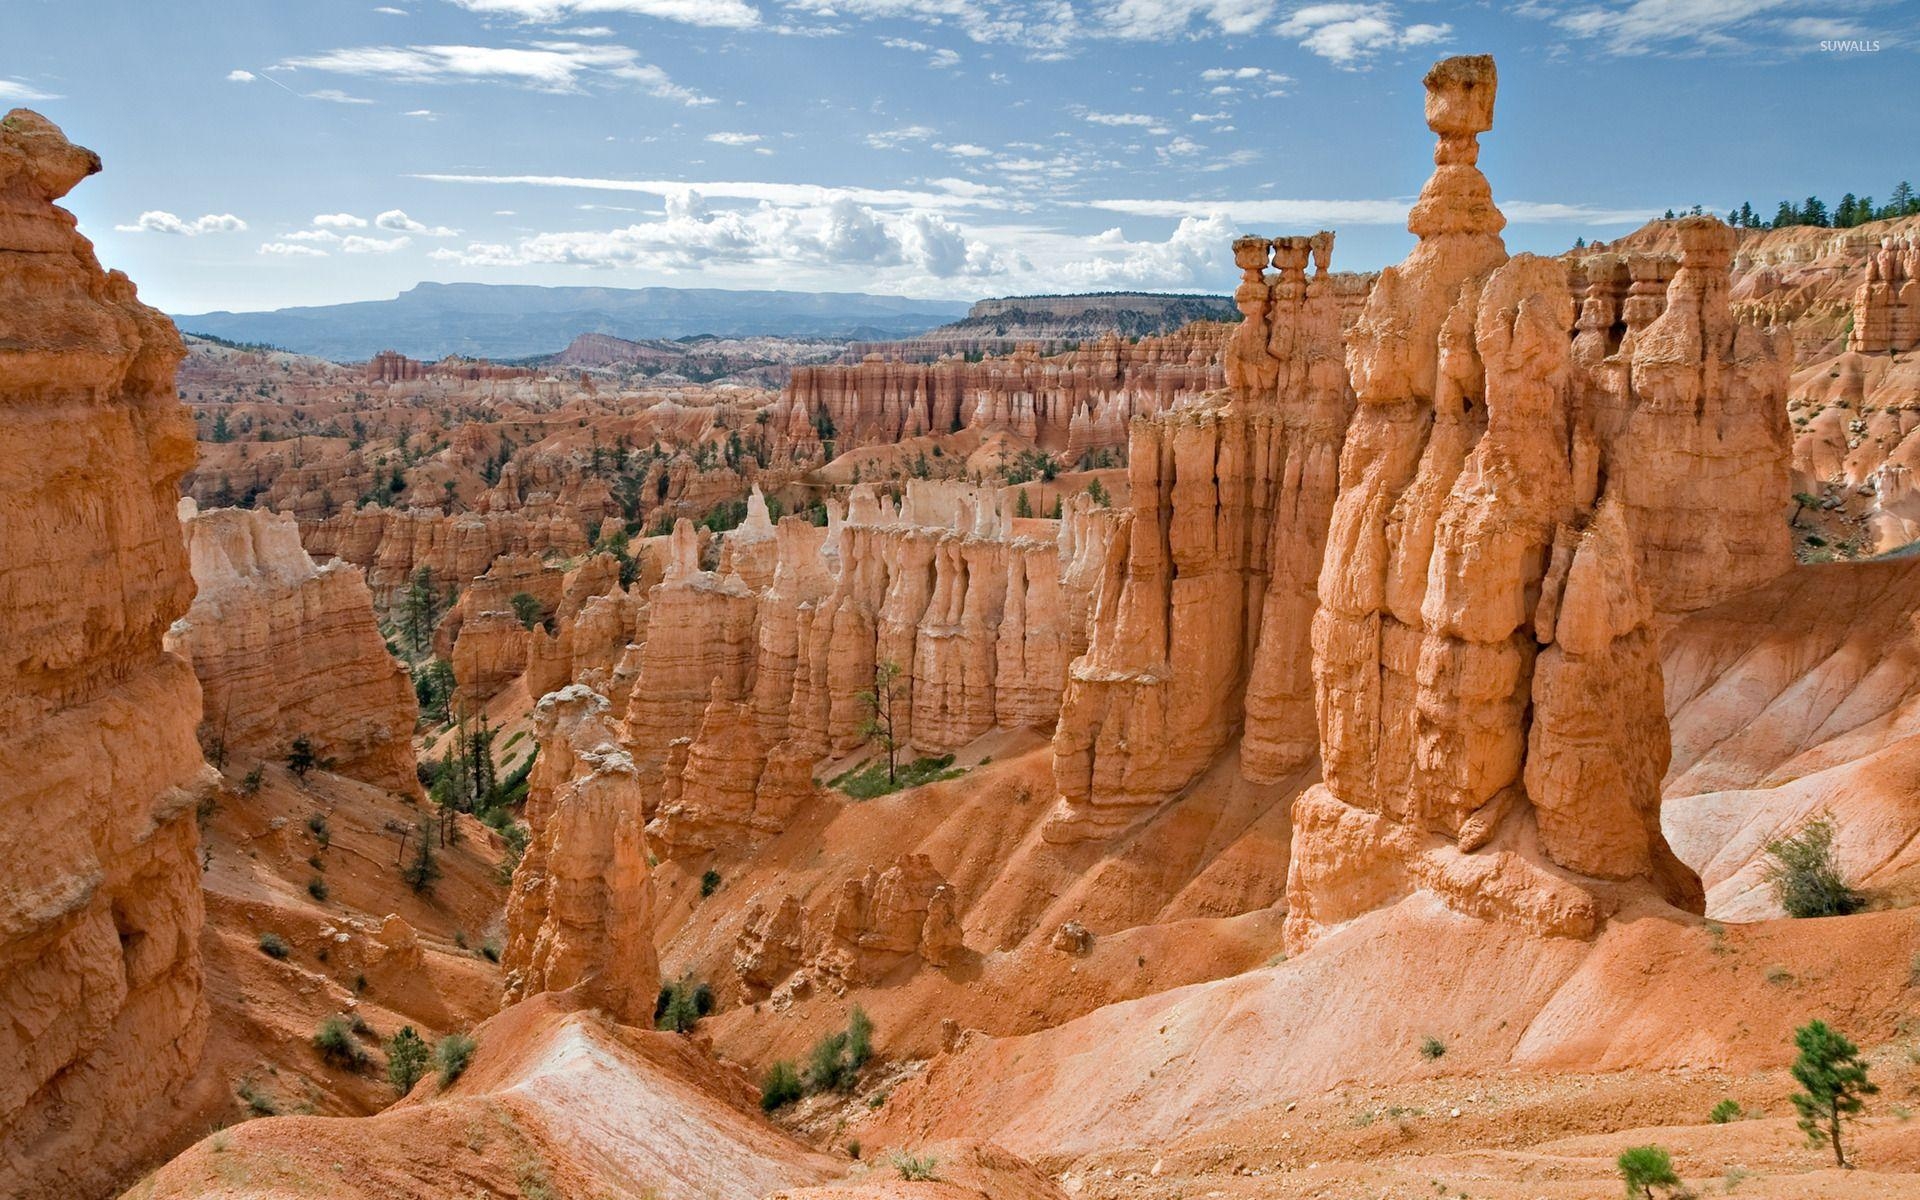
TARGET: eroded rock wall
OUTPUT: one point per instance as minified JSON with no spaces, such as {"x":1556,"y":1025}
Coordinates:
{"x":284,"y":649}
{"x":100,"y":904}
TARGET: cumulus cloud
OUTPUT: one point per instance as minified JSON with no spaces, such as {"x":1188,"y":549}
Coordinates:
{"x":291,"y":250}
{"x":724,"y":14}
{"x":159,"y":221}
{"x":340,"y":221}
{"x":542,"y":66}
{"x":239,"y":76}
{"x":1349,"y":34}
{"x":396,"y":221}
{"x":725,"y":138}
{"x":695,"y":234}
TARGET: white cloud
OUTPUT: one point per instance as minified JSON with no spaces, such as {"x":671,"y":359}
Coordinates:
{"x":15,"y":89}
{"x":1333,"y":213}
{"x":841,"y":234}
{"x":1348,"y":34}
{"x":1692,"y":26}
{"x":1209,"y":118}
{"x":724,"y":138}
{"x":943,"y":58}
{"x":425,"y":114}
{"x":336,"y":96}
{"x":966,"y":150}
{"x":1161,"y":19}
{"x":159,"y":221}
{"x":543,"y":66}
{"x":896,"y":43}
{"x":340,"y":221}
{"x":396,"y":221}
{"x":947,"y":192}
{"x":357,"y":244}
{"x":290,"y":250}
{"x":239,"y":76}
{"x":725,"y":14}
{"x":388,"y":10}
{"x":893,"y":139}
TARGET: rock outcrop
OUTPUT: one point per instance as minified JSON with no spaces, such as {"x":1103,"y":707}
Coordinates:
{"x":580,"y":914}
{"x":100,"y":904}
{"x":1512,"y":519}
{"x":284,"y":649}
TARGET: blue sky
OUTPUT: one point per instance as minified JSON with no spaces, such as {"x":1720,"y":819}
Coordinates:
{"x":263,"y":152}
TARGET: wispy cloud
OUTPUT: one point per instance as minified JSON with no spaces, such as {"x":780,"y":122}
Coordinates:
{"x":340,"y":220}
{"x":726,"y":138}
{"x":1331,"y":213}
{"x":543,"y":66}
{"x":160,"y":221}
{"x":775,"y":193}
{"x":16,"y":89}
{"x":336,"y":96}
{"x":290,"y":250}
{"x":1692,"y":27}
{"x":725,"y":14}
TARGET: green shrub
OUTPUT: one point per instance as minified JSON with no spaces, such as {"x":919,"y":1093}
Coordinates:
{"x":1644,"y":1168}
{"x":827,"y":1067}
{"x":870,"y":781}
{"x":317,"y":888}
{"x":780,"y":1087}
{"x":451,"y":1054}
{"x":1806,"y":880}
{"x":1725,"y":1111}
{"x":334,"y":1041}
{"x":259,"y":1103}
{"x":1432,"y":1047}
{"x":490,"y":950}
{"x":322,"y":833}
{"x":709,"y":883}
{"x":915,"y":1168}
{"x":274,"y":946}
{"x":406,"y":1059}
{"x":859,"y":1037}
{"x":681,"y":1004}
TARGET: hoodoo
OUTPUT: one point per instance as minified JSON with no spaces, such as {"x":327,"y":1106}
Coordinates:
{"x":1510,"y":526}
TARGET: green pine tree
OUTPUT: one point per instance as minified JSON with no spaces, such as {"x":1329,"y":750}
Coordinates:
{"x":1835,"y":1076}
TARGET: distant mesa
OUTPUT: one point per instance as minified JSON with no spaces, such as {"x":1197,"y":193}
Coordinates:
{"x":431,"y":321}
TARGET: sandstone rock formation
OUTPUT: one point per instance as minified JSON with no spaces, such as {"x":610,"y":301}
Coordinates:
{"x":1510,"y":521}
{"x":284,"y":649}
{"x":1072,"y":403}
{"x":1208,"y":589}
{"x":100,"y":906}
{"x":580,"y":915}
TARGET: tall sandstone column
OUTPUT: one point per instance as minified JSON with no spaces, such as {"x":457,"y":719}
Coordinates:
{"x":1513,"y":521}
{"x":100,"y":906}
